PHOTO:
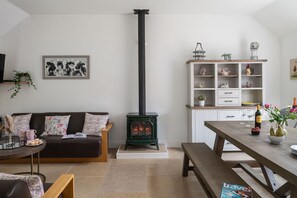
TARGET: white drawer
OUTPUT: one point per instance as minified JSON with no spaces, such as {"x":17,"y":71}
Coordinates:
{"x":228,"y":101}
{"x":228,"y":93}
{"x":229,"y":115}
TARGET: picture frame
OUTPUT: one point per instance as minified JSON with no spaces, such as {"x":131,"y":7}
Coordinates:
{"x":293,"y":68}
{"x":66,"y":67}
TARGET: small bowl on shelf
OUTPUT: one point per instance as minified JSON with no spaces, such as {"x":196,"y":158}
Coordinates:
{"x":276,"y":139}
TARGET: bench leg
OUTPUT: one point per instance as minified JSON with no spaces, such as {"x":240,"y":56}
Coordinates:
{"x":186,"y":165}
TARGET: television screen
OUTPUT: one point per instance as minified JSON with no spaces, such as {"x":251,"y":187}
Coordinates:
{"x":2,"y":63}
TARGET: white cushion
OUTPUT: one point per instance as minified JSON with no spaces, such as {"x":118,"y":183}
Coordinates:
{"x":94,"y":124}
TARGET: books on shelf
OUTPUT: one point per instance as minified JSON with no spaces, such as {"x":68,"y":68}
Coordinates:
{"x":74,"y":136}
{"x":235,"y":191}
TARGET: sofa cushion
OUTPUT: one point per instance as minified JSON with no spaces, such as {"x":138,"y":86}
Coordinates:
{"x":56,"y":125}
{"x":76,"y":121}
{"x":94,"y":124}
{"x":71,"y":148}
{"x":18,"y":123}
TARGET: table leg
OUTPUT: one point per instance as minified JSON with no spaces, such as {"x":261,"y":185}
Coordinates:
{"x":293,"y":191}
{"x":186,"y":165}
{"x":219,"y":145}
{"x":38,"y":162}
{"x":31,"y":164}
{"x":269,"y":177}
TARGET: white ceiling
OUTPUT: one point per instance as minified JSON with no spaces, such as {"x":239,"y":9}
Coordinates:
{"x":48,"y":7}
{"x":280,"y":16}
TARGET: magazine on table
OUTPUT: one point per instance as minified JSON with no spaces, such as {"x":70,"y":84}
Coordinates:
{"x":235,"y":191}
{"x":74,"y":136}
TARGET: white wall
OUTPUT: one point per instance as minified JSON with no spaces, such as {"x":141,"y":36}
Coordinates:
{"x":111,"y":42}
{"x":288,"y":84}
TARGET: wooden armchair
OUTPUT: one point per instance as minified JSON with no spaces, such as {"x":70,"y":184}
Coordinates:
{"x":63,"y":185}
{"x":15,"y":188}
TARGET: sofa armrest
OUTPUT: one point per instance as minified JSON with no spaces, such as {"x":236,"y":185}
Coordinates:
{"x":108,"y":127}
{"x":63,"y":185}
{"x":105,"y":132}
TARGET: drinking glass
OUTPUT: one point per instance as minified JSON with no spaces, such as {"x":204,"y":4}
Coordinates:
{"x":251,"y":122}
{"x":243,"y":115}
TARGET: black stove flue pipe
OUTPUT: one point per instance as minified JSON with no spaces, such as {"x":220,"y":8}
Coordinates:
{"x":141,"y":59}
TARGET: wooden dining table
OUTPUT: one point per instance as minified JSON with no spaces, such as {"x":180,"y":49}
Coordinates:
{"x":273,"y":159}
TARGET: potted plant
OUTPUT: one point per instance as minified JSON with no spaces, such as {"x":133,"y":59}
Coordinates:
{"x":201,"y":100}
{"x":19,"y":79}
{"x":280,"y":117}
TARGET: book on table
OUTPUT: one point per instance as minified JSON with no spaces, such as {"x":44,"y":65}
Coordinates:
{"x":235,"y":191}
{"x":74,"y":136}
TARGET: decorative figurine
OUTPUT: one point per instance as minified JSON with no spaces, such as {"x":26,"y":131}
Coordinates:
{"x":226,"y":56}
{"x":202,"y":71}
{"x":199,"y":54}
{"x":200,"y":85}
{"x":248,"y":71}
{"x":224,"y":85}
{"x":224,"y":72}
{"x":254,"y":50}
{"x":248,"y":85}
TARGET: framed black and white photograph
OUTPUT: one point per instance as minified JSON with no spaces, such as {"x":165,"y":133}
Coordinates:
{"x":65,"y":67}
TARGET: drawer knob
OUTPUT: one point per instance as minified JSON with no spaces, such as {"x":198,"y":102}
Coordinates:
{"x":228,"y":100}
{"x":230,"y":116}
{"x":228,"y":93}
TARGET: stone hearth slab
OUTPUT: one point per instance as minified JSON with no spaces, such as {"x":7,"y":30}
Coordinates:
{"x":135,"y":152}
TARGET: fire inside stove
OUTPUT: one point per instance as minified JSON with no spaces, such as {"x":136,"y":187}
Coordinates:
{"x":141,"y":128}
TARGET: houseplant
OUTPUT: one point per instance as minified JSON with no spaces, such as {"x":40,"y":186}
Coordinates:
{"x":19,"y":79}
{"x":201,"y":100}
{"x":280,"y":117}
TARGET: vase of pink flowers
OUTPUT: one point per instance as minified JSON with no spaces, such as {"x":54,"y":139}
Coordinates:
{"x":280,"y":117}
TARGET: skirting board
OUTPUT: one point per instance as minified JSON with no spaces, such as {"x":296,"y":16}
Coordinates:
{"x":134,"y":152}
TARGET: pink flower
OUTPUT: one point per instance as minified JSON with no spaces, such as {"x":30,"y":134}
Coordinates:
{"x":267,"y":106}
{"x":292,"y":110}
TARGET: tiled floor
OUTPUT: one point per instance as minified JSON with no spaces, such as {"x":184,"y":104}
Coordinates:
{"x":130,"y":178}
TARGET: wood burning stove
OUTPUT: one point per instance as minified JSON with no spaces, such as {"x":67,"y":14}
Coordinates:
{"x":142,"y":129}
{"x":142,"y":126}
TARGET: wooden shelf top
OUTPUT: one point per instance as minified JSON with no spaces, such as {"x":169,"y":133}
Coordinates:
{"x":205,"y":76}
{"x":220,"y":107}
{"x":227,"y":61}
{"x":12,"y":83}
{"x":251,"y":75}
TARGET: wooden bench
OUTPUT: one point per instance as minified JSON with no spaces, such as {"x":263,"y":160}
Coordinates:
{"x":209,"y":168}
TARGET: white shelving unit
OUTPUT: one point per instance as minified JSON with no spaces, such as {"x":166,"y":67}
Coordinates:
{"x":225,"y":83}
{"x":226,"y":86}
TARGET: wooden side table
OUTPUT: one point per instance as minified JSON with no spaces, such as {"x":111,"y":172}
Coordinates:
{"x":23,"y":152}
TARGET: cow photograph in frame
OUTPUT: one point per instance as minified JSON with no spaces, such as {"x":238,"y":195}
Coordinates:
{"x":66,"y":67}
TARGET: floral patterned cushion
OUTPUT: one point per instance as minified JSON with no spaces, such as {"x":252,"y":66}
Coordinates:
{"x":34,"y":183}
{"x":18,"y":123}
{"x":56,"y":125}
{"x":94,"y":123}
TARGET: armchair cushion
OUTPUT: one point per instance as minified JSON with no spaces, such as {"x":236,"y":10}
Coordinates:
{"x":34,"y":183}
{"x":14,"y":189}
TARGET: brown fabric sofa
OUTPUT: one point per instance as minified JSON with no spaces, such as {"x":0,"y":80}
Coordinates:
{"x":92,"y":148}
